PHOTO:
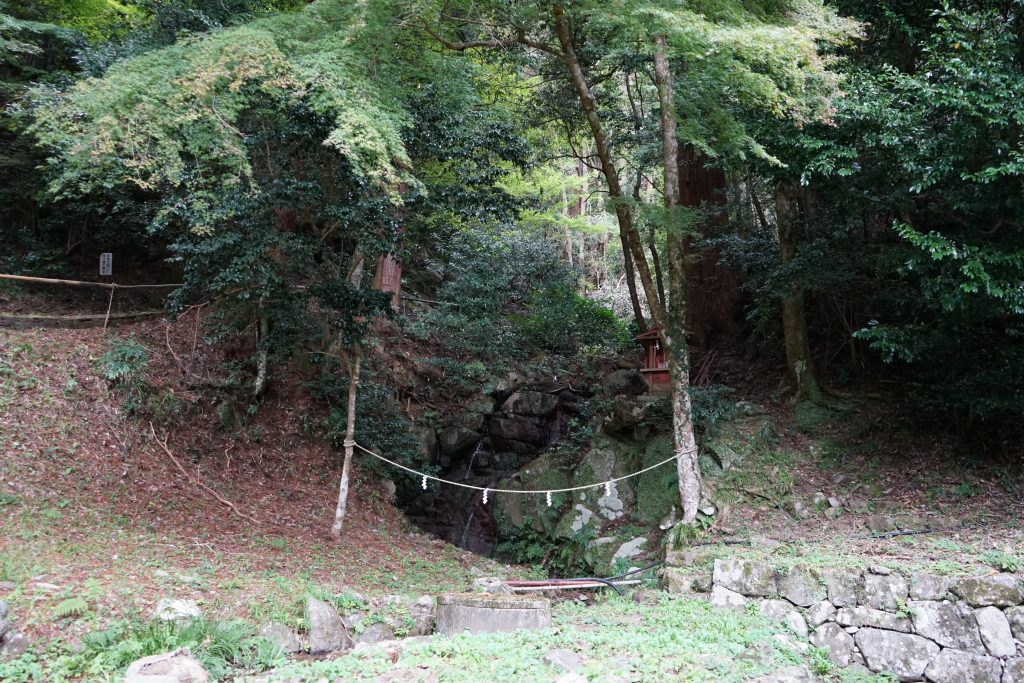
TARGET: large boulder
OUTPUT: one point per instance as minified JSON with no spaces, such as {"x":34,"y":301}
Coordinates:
{"x":176,"y":610}
{"x":801,"y":586}
{"x":1015,"y":615}
{"x":723,"y":597}
{"x":422,"y":612}
{"x":783,"y":612}
{"x":629,"y":549}
{"x":625,"y":382}
{"x":509,"y":433}
{"x":281,"y":636}
{"x":576,"y":520}
{"x":5,"y":623}
{"x":13,"y":645}
{"x":928,"y":587}
{"x":845,"y":588}
{"x":327,"y":633}
{"x":900,"y":654}
{"x":657,"y":490}
{"x":426,"y":441}
{"x":532,"y":403}
{"x":171,"y":667}
{"x":885,"y":591}
{"x":376,"y":632}
{"x":995,"y":632}
{"x":564,"y":660}
{"x":456,"y":440}
{"x":836,"y":640}
{"x":819,"y":613}
{"x":605,"y":461}
{"x":634,"y":417}
{"x":957,"y":666}
{"x":1013,"y":672}
{"x":945,"y":623}
{"x":875,"y":618}
{"x":1000,"y":590}
{"x":543,"y":473}
{"x":745,"y":577}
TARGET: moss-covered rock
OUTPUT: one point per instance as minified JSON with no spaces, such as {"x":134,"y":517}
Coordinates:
{"x":734,"y":441}
{"x":612,"y":459}
{"x":809,"y":416}
{"x":657,"y":491}
{"x":543,"y":473}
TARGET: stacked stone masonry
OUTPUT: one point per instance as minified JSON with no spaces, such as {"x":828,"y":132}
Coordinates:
{"x":912,"y":626}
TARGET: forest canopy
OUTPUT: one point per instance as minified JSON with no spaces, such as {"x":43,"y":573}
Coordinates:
{"x":838,"y":184}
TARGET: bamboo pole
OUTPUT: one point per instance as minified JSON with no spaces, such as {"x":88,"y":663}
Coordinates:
{"x":80,"y":283}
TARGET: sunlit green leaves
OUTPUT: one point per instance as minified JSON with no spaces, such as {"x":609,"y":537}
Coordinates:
{"x":170,"y":119}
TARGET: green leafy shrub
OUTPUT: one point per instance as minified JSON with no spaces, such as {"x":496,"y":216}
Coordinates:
{"x":124,"y":361}
{"x":124,"y":365}
{"x":559,"y":319}
{"x":74,"y":606}
{"x":24,"y":669}
{"x":1004,"y":562}
{"x":380,"y":425}
{"x":486,"y":277}
{"x":461,"y":374}
{"x":712,"y":404}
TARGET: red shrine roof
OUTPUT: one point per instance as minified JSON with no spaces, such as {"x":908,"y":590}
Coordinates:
{"x":652,"y":333}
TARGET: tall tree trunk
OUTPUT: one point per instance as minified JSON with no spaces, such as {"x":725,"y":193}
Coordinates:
{"x":353,"y":362}
{"x":350,"y":435}
{"x":634,"y":296}
{"x":656,"y":261}
{"x":713,"y":295}
{"x":687,"y":463}
{"x":623,"y":213}
{"x":568,"y":231}
{"x":799,"y":363}
{"x":674,"y":341}
{"x":636,"y":108}
{"x":262,"y":331}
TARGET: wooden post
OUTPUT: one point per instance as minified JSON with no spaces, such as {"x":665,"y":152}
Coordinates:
{"x":350,"y":434}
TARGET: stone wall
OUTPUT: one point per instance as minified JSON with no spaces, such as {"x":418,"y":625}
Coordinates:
{"x":912,"y":626}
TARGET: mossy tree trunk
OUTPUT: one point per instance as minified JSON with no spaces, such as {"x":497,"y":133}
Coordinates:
{"x":674,"y":331}
{"x":799,"y":363}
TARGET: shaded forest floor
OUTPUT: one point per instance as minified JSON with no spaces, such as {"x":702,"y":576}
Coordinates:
{"x":92,"y":506}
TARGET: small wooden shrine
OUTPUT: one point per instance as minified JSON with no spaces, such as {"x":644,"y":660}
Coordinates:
{"x":655,"y":369}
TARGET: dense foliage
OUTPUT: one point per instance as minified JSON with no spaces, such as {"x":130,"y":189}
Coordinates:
{"x":909,"y":239}
{"x":269,"y":152}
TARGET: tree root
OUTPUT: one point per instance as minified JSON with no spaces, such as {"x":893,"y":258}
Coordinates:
{"x":197,"y":480}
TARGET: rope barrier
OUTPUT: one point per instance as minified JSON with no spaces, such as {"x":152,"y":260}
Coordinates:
{"x":487,"y":490}
{"x":81,"y":283}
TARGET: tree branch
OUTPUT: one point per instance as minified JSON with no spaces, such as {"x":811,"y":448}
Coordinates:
{"x":181,"y":468}
{"x":518,"y":39}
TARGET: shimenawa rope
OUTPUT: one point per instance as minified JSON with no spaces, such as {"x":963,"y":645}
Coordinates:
{"x":487,"y":490}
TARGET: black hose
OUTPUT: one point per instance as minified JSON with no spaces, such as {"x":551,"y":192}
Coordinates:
{"x":652,"y":565}
{"x":599,"y":580}
{"x":611,"y":579}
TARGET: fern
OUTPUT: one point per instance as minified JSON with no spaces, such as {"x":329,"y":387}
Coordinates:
{"x":71,"y":607}
{"x":219,"y":645}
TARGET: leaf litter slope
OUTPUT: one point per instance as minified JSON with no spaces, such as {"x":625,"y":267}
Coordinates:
{"x":90,"y":504}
